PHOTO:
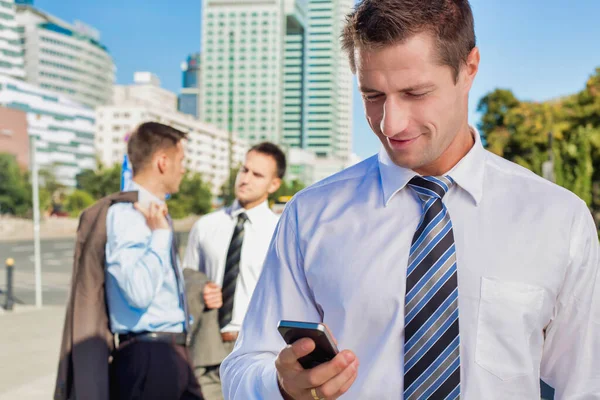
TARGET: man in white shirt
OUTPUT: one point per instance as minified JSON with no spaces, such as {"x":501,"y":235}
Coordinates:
{"x":230,"y":246}
{"x":447,"y":271}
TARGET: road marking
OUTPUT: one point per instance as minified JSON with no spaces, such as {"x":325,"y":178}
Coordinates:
{"x":53,"y":262}
{"x":22,"y":249}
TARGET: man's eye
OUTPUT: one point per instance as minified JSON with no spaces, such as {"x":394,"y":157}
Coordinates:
{"x":417,"y":95}
{"x":372,"y":97}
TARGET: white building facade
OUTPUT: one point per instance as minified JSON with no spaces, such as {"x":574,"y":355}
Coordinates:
{"x":65,"y":58}
{"x":11,"y":53}
{"x":62,"y":128}
{"x":207,"y":149}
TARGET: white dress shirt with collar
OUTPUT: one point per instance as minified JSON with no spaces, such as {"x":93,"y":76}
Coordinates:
{"x":527,"y":255}
{"x":210,"y":238}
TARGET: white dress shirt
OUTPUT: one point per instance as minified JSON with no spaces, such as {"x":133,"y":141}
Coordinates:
{"x":527,"y":255}
{"x":208,"y":244}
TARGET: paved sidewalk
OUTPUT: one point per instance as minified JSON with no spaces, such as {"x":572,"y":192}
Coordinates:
{"x":29,"y":345}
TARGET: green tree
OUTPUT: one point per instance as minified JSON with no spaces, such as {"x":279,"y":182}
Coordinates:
{"x":100,"y":183}
{"x":78,"y":201}
{"x":52,"y":192}
{"x":518,"y":131}
{"x":495,"y":106}
{"x":287,"y":189}
{"x":15,"y":190}
{"x":228,"y":188}
{"x":194,"y":197}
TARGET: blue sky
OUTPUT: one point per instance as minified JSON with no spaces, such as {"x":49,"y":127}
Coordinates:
{"x":541,"y":49}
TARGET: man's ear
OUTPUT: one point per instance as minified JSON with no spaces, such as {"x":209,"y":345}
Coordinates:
{"x":162,"y":162}
{"x":274,"y":185}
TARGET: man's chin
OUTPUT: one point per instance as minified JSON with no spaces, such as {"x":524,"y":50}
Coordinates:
{"x":404,"y":160}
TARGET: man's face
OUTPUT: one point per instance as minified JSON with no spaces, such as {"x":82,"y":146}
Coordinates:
{"x":174,"y":167}
{"x":413,"y":104}
{"x":257,"y":179}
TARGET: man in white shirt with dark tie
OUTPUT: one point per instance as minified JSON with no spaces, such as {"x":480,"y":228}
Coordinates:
{"x":446,"y":271}
{"x":230,"y":246}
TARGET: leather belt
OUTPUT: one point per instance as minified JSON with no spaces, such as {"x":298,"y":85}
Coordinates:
{"x":229,"y":336}
{"x":179,"y":339}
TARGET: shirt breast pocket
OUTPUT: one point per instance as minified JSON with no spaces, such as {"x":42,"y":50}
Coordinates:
{"x":509,"y":315}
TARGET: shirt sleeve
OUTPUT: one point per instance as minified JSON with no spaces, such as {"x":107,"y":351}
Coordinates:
{"x":193,"y":256}
{"x":137,"y":262}
{"x":571,"y":361}
{"x":282,"y":292}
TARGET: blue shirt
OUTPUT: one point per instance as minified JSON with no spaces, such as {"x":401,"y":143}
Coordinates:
{"x":141,"y":286}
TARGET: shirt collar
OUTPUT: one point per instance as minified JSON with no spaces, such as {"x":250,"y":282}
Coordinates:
{"x":468,"y":173}
{"x":254,"y":214}
{"x":145,"y":197}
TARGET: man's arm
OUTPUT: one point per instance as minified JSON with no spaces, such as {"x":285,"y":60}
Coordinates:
{"x":571,"y":357}
{"x":281,"y":293}
{"x":192,"y":258}
{"x":137,"y":265}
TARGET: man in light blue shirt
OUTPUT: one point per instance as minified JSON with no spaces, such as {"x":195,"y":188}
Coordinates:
{"x":144,"y":283}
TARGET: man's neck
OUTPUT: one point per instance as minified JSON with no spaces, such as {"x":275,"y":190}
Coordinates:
{"x":151,"y":185}
{"x":250,"y":206}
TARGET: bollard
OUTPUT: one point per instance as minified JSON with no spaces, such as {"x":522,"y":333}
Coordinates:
{"x":8,"y":305}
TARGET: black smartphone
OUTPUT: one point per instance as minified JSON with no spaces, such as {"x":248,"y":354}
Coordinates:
{"x":325,"y":349}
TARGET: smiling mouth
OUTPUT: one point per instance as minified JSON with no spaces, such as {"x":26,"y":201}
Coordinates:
{"x":401,"y":144}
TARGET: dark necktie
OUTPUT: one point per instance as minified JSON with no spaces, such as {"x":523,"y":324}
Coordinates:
{"x":232,"y":269}
{"x":431,"y":335}
{"x":178,"y":277}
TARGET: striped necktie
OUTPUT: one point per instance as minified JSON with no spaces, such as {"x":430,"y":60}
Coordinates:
{"x":232,"y":269}
{"x":431,"y":335}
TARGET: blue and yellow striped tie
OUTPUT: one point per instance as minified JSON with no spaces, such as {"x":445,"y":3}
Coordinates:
{"x":431,"y":335}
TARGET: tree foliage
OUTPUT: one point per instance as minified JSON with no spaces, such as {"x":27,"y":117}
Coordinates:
{"x":519,"y":131}
{"x":101,"y":182}
{"x":78,"y":201}
{"x":15,"y":190}
{"x":194,"y":197}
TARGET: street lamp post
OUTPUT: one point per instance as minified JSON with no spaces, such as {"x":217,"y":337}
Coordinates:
{"x":36,"y":222}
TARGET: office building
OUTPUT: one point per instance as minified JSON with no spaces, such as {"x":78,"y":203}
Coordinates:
{"x":63,"y":129}
{"x":207,"y":149}
{"x":11,"y":53}
{"x":189,"y":99}
{"x":68,"y":59}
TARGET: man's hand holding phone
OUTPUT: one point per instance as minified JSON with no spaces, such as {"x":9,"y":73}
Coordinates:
{"x":328,"y":380}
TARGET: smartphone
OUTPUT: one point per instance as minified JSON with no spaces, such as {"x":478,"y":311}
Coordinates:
{"x":325,"y":349}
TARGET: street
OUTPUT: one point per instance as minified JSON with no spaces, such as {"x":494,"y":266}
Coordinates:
{"x":57,"y":264}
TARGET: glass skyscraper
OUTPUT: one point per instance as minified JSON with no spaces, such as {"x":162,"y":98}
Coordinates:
{"x":189,"y":99}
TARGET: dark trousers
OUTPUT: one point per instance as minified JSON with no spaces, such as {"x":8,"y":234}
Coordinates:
{"x":153,"y":370}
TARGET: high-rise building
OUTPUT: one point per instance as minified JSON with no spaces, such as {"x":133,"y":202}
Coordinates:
{"x":329,"y":90}
{"x":65,"y":58}
{"x":189,"y":99}
{"x":274,"y":70}
{"x":294,"y":74}
{"x":11,"y":52}
{"x":63,"y":129}
{"x":207,"y":149}
{"x":242,"y":68}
